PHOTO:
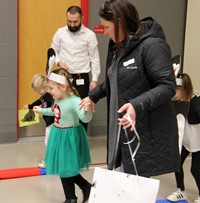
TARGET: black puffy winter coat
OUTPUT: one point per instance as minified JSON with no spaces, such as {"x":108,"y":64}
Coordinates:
{"x":147,"y":81}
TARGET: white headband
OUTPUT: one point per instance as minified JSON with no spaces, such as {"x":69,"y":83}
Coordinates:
{"x":61,"y":79}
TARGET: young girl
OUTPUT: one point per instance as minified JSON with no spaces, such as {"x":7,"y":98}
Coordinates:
{"x":191,"y":141}
{"x":39,"y":85}
{"x":68,"y":149}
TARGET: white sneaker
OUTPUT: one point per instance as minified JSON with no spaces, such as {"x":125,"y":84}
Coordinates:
{"x":197,"y":200}
{"x":177,"y":196}
{"x":42,"y":164}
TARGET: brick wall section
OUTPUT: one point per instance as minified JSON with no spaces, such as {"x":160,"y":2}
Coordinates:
{"x":8,"y":70}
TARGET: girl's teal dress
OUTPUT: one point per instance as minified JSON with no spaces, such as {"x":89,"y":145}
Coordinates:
{"x":67,"y":150}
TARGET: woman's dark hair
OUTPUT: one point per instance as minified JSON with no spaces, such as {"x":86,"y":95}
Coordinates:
{"x":74,"y":10}
{"x":123,"y":12}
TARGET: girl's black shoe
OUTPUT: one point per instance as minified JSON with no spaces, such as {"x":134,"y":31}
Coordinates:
{"x":86,"y":192}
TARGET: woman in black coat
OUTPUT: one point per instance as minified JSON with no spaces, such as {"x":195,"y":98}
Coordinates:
{"x":139,"y":82}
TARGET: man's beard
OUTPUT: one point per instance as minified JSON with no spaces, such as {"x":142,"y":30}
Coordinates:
{"x":74,"y":28}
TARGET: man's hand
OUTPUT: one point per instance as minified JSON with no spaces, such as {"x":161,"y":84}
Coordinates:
{"x":63,"y":65}
{"x":93,"y":84}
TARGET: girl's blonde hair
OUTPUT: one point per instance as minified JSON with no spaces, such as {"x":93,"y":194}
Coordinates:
{"x":39,"y":81}
{"x":64,"y":72}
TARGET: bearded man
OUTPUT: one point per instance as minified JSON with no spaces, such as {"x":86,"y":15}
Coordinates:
{"x":76,"y":49}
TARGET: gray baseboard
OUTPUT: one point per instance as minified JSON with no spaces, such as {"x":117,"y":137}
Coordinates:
{"x":8,"y":137}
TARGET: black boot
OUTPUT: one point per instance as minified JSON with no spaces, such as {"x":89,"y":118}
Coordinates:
{"x":86,"y":191}
{"x":70,"y":201}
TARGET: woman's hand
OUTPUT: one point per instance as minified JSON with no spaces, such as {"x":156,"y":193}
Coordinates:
{"x":36,"y":109}
{"x":129,"y":118}
{"x":88,"y":105}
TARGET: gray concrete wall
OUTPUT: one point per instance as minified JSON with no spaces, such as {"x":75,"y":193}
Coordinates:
{"x":8,"y":70}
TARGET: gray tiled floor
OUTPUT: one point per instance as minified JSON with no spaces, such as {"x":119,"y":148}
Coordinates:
{"x":47,"y":189}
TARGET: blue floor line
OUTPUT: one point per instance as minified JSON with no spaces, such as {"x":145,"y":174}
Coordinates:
{"x":166,"y":201}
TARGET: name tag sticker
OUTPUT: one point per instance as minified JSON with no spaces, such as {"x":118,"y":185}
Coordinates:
{"x":80,"y":82}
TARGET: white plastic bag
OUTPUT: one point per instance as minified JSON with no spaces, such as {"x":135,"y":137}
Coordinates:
{"x":117,"y":187}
